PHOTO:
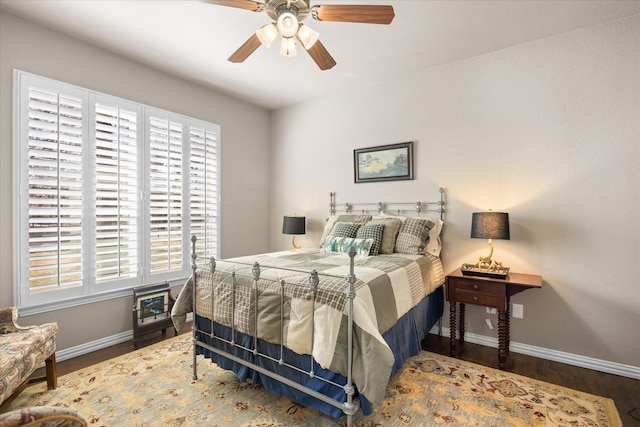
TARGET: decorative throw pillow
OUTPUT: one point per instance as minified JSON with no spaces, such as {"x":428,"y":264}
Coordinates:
{"x":356,"y":219}
{"x":434,"y":245}
{"x":413,"y":235}
{"x":373,"y":232}
{"x":345,"y":229}
{"x":333,"y":220}
{"x":390,"y":233}
{"x":343,"y":244}
{"x":327,"y":228}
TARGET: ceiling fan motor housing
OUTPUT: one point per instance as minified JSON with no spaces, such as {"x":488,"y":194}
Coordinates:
{"x":287,"y":16}
{"x":299,"y":8}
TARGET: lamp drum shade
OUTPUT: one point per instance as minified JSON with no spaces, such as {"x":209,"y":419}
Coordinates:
{"x":294,"y":225}
{"x":490,"y":225}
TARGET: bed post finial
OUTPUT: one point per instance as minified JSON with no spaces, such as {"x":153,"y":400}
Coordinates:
{"x":332,"y":203}
{"x":256,"y":271}
{"x":194,"y":238}
{"x":314,"y":280}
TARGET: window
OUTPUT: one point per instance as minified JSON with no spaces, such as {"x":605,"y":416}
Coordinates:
{"x":110,"y":192}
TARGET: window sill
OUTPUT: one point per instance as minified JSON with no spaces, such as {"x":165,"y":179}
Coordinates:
{"x":88,"y":299}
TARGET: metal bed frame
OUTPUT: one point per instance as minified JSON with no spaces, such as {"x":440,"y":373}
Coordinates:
{"x":349,"y":407}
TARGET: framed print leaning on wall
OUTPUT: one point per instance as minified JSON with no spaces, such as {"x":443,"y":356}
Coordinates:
{"x":392,"y":162}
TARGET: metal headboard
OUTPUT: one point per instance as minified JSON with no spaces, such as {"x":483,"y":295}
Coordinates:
{"x":393,"y":208}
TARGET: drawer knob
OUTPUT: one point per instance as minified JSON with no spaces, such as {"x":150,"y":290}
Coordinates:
{"x":475,"y":287}
{"x":475,"y":299}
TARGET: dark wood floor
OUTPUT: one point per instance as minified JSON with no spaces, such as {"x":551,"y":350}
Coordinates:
{"x":624,"y":391}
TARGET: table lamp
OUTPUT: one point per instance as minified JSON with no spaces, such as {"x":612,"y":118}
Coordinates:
{"x":294,"y":225}
{"x":488,"y":225}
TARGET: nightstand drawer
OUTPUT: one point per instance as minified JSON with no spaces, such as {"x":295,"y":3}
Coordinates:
{"x":474,"y":286}
{"x":476,"y":298}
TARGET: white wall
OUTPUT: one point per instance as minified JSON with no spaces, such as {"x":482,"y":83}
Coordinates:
{"x":244,"y":138}
{"x":548,"y":131}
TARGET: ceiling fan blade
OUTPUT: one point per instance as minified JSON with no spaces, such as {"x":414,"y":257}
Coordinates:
{"x":240,"y":4}
{"x":321,"y":56}
{"x":368,"y":14}
{"x":246,"y":49}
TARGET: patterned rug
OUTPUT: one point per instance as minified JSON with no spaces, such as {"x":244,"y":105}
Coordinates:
{"x":153,"y":387}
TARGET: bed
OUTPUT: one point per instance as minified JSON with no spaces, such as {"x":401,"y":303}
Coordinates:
{"x":325,"y":326}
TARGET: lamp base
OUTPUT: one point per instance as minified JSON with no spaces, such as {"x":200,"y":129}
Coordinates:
{"x":473,"y":270}
{"x":293,"y":244}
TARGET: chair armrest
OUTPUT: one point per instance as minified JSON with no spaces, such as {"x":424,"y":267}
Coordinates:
{"x":43,"y":416}
{"x":9,"y":321}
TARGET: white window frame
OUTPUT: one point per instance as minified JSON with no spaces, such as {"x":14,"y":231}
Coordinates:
{"x":91,"y":291}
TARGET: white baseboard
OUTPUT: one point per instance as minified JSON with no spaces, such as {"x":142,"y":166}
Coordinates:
{"x":554,"y":355}
{"x":79,"y":350}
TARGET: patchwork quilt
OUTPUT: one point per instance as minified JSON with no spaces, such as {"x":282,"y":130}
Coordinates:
{"x":288,"y":305}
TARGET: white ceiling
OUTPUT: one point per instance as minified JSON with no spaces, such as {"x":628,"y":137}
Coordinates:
{"x":193,"y":39}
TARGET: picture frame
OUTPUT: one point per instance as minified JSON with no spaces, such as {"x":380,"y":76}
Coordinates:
{"x":152,"y":307}
{"x":393,"y":162}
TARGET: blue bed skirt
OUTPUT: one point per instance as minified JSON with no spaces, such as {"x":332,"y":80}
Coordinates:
{"x":404,"y":339}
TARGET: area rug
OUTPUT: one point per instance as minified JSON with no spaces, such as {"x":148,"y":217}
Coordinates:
{"x":152,"y":386}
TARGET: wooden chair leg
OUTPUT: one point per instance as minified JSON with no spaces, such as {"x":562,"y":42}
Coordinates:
{"x":15,"y":394}
{"x":52,"y":372}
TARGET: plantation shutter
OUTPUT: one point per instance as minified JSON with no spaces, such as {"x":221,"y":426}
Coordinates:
{"x":55,"y":154}
{"x":116,"y":193}
{"x":165,"y":195}
{"x":103,"y":192}
{"x":204,"y":189}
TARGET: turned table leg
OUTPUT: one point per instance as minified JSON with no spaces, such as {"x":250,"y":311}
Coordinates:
{"x":452,"y":329}
{"x":462,"y":316}
{"x":508,"y":329}
{"x":503,"y":337}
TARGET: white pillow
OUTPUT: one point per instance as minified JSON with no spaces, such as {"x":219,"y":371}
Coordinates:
{"x":434,"y":246}
{"x":386,"y":215}
{"x":327,"y":228}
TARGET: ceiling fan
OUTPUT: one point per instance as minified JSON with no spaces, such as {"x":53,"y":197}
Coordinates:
{"x":287,"y":16}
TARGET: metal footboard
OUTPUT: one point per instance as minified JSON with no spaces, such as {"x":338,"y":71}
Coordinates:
{"x":349,"y":406}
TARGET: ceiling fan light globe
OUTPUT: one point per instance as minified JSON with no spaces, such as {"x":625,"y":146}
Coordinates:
{"x":307,"y":36}
{"x":288,"y":47}
{"x":287,"y":24}
{"x":267,"y":34}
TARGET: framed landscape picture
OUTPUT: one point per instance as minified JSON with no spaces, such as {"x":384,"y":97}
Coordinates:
{"x":383,"y":163}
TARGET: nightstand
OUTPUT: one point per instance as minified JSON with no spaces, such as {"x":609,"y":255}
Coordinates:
{"x":487,"y":292}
